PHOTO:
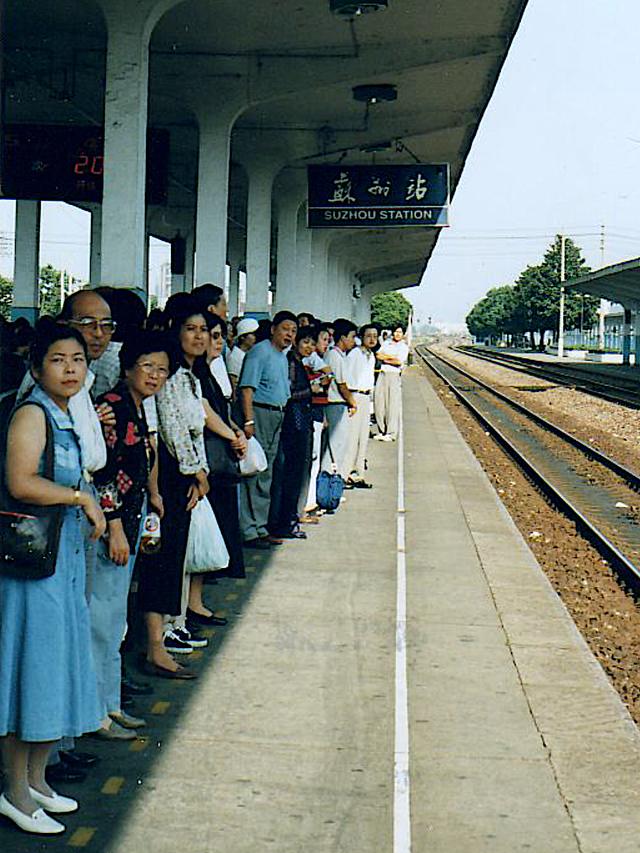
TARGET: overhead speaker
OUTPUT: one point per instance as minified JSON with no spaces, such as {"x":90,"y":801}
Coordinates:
{"x":353,"y":8}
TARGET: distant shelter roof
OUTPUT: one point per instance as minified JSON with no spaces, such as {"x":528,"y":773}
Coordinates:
{"x":617,"y":283}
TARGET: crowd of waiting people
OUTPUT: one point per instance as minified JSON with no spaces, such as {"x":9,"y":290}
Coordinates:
{"x":152,"y":419}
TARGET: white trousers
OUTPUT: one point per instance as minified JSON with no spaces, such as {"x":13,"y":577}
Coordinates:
{"x":356,"y":452}
{"x":388,"y":401}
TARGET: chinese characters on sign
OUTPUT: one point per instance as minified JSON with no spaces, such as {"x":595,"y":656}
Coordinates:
{"x":378,"y":196}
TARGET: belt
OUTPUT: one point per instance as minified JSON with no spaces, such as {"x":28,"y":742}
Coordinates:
{"x":269,"y":407}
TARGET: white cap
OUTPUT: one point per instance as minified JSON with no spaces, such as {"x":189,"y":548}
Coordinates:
{"x":246,"y":326}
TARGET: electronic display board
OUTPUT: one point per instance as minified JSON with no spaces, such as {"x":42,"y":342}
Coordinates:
{"x":66,"y":163}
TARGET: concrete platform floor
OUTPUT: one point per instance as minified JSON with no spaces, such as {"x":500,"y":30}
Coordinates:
{"x":286,"y":741}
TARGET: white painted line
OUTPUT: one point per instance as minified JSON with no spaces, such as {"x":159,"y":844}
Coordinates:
{"x":401,"y":786}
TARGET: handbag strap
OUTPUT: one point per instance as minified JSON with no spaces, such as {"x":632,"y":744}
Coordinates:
{"x":48,"y":447}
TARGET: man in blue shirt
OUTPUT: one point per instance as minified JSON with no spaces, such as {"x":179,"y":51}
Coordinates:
{"x":263,"y":391}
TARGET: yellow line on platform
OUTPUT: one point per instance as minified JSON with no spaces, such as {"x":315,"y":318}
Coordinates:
{"x":196,"y":654}
{"x":113,"y":785}
{"x":241,"y":582}
{"x":82,"y":836}
{"x":231,"y":597}
{"x":138,"y":745}
{"x":208,"y":633}
{"x":160,"y":707}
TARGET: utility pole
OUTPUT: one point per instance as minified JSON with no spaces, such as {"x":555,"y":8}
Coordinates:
{"x":563,"y":278}
{"x":603,"y":303}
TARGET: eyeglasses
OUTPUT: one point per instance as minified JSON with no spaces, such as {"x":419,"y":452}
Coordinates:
{"x":149,"y":369}
{"x":108,"y":327}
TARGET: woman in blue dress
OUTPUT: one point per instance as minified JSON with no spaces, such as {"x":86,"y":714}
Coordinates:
{"x":47,"y":680}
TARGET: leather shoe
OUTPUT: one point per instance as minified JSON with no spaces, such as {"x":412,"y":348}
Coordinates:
{"x":62,"y":773}
{"x":201,"y":619}
{"x":113,"y":732}
{"x":258,"y":544}
{"x":181,"y":673}
{"x":135,"y":688}
{"x":56,"y":803}
{"x":78,"y":760}
{"x":38,"y":823}
{"x":127,"y":721}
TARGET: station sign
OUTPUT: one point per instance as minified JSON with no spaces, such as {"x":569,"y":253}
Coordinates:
{"x":66,"y":163}
{"x":344,"y":196}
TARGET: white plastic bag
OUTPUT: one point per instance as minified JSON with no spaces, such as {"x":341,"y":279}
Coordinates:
{"x":255,"y":461}
{"x":206,"y":550}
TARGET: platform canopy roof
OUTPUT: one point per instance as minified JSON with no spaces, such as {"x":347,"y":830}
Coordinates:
{"x":618,"y":283}
{"x":292,"y":66}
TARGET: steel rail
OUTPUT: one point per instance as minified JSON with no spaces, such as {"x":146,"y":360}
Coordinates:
{"x":565,"y":375}
{"x":626,"y":568}
{"x":626,"y":474}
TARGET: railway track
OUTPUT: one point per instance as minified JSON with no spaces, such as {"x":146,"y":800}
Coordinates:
{"x":598,"y":493}
{"x":618,"y":389}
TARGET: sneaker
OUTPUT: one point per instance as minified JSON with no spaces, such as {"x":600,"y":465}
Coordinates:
{"x":380,"y":437}
{"x":195,"y":640}
{"x":175,"y":645}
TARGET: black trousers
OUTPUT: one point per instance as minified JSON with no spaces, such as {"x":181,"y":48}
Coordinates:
{"x":290,"y":472}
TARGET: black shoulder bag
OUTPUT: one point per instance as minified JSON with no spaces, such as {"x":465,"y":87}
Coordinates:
{"x":29,"y":534}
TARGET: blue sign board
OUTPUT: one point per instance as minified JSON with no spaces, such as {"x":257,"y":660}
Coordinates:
{"x":343,"y":196}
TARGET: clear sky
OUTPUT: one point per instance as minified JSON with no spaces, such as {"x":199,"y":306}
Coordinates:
{"x":558,"y":150}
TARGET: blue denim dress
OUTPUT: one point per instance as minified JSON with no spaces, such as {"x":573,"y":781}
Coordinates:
{"x":47,"y":679}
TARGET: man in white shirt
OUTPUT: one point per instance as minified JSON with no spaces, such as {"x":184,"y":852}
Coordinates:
{"x":361,"y":378}
{"x":393,"y":355}
{"x":340,"y":405}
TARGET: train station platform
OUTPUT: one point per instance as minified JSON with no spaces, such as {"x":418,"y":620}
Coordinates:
{"x":285,"y":743}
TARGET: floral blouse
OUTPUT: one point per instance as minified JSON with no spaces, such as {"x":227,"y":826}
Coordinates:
{"x":181,"y":421}
{"x":123,"y":483}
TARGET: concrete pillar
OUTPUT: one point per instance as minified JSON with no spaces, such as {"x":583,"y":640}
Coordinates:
{"x":636,"y":329}
{"x":26,"y":265}
{"x":261,"y":173}
{"x":317,"y":299}
{"x":302,"y":270}
{"x":95,"y":259}
{"x":290,"y":295}
{"x":626,"y":337}
{"x":125,"y":146}
{"x":213,"y":195}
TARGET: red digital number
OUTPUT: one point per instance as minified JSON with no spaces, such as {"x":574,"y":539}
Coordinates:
{"x":85,"y":163}
{"x":81,"y":165}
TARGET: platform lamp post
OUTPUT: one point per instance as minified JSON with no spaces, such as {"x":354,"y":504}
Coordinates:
{"x":563,"y":278}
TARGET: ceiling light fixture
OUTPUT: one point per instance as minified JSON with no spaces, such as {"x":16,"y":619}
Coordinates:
{"x":353,"y":8}
{"x":372,"y":94}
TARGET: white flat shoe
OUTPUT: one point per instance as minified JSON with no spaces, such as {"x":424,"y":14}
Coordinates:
{"x":38,"y":823}
{"x":57,"y":804}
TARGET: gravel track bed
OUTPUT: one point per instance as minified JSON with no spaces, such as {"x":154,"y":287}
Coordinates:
{"x":606,"y":615}
{"x":609,"y":427}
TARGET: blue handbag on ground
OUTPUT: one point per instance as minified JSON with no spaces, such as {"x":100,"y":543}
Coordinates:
{"x":329,"y":487}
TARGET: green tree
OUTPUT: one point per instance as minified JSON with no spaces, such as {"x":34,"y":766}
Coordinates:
{"x":50,"y":291}
{"x":538,"y":293}
{"x":496,"y":314}
{"x":390,"y":309}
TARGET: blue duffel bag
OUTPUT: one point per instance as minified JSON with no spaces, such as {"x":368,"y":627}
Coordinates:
{"x":329,"y":487}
